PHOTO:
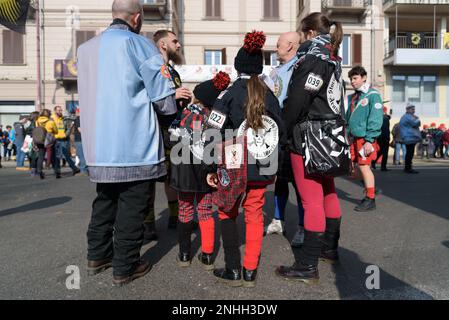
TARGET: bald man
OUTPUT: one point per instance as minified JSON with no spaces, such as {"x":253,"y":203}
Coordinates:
{"x":122,"y":86}
{"x":287,"y":47}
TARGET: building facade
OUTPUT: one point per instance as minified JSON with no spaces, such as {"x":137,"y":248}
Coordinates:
{"x":65,"y":25}
{"x":416,"y":58}
{"x":403,"y":44}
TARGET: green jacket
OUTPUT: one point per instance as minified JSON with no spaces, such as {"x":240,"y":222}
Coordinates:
{"x":365,"y":121}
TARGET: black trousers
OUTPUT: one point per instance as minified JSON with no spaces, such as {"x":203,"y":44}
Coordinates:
{"x":116,"y":226}
{"x":409,"y":156}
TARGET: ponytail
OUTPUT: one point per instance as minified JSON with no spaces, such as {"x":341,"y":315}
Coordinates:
{"x":255,"y":106}
{"x":321,"y":24}
{"x":336,"y":37}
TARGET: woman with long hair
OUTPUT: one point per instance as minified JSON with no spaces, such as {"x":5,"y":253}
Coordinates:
{"x":315,"y":91}
{"x":251,"y":108}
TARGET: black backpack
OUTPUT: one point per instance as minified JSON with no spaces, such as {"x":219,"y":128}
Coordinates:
{"x":39,"y":134}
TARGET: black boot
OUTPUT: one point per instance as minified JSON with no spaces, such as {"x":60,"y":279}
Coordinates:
{"x":230,"y":275}
{"x":249,"y":278}
{"x":184,"y":239}
{"x":207,"y":261}
{"x":150,"y":233}
{"x":329,"y":249}
{"x":306,"y":269}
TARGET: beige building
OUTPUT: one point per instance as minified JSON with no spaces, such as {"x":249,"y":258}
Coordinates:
{"x":401,"y":43}
{"x":65,"y":25}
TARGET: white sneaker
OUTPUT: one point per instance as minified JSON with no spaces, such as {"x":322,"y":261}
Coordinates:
{"x":275,"y":227}
{"x":298,"y":239}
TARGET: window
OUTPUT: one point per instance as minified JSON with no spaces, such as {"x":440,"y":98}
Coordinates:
{"x":83,"y":36}
{"x":399,"y":88}
{"x":12,"y":47}
{"x":214,"y":57}
{"x":213,"y":9}
{"x":271,"y":9}
{"x":345,"y":50}
{"x":419,"y":90}
{"x":270,"y":58}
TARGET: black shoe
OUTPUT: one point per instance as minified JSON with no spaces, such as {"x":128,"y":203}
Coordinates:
{"x":232,"y":277}
{"x":411,"y":171}
{"x":58,"y":176}
{"x":150,"y":233}
{"x":385,"y":170}
{"x":42,"y":175}
{"x":367,"y":204}
{"x":172,"y":222}
{"x":76,"y":171}
{"x":207,"y":261}
{"x":307,"y":274}
{"x":184,"y":260}
{"x":249,"y":278}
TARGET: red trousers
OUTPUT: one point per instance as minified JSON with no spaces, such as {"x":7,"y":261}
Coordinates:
{"x":253,"y":204}
{"x":186,"y":202}
{"x":318,"y":197}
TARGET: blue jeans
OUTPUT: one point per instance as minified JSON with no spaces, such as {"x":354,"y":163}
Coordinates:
{"x":80,"y":154}
{"x":281,"y":198}
{"x":62,"y":150}
{"x":399,"y":147}
{"x":20,"y":159}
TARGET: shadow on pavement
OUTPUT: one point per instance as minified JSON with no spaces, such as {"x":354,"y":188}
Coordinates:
{"x":38,"y":205}
{"x":352,"y":274}
{"x":445,"y":243}
{"x":426,"y":191}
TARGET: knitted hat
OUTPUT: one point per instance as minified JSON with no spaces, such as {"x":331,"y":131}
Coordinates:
{"x":426,"y":126}
{"x":433,"y":124}
{"x":207,"y":92}
{"x":409,"y":106}
{"x":249,"y":59}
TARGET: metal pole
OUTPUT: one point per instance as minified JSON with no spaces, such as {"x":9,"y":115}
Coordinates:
{"x":435,"y":26}
{"x":396,"y":41}
{"x":38,"y":57}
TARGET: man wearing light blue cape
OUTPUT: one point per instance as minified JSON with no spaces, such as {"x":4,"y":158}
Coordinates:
{"x":122,"y":87}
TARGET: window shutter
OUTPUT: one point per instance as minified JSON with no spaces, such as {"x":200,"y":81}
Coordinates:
{"x":209,"y":8}
{"x":267,"y":8}
{"x":223,"y":56}
{"x":217,"y":8}
{"x":356,"y":49}
{"x":12,"y":47}
{"x":275,"y":13}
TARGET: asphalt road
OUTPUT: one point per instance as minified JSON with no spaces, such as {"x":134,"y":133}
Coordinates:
{"x":43,"y":231}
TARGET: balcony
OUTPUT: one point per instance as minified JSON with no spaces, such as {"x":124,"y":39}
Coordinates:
{"x":346,"y":7}
{"x":154,"y":9}
{"x":416,"y":6}
{"x":416,"y":49}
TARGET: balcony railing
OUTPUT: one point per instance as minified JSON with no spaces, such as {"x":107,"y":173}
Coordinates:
{"x":394,"y":2}
{"x":404,"y":42}
{"x":346,"y":4}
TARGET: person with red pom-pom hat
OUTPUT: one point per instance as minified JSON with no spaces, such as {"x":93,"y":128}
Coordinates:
{"x":189,"y":178}
{"x":252,"y":109}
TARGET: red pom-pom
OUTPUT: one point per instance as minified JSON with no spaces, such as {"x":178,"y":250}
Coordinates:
{"x":221,"y":81}
{"x":254,"y":41}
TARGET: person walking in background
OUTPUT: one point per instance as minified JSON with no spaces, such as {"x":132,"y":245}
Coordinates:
{"x":411,"y":135}
{"x":32,"y":155}
{"x":398,"y":145}
{"x":19,"y":131}
{"x":122,"y":139}
{"x":7,"y":143}
{"x":287,"y":47}
{"x":384,"y":142}
{"x":62,"y":144}
{"x":79,"y":143}
{"x":45,"y":128}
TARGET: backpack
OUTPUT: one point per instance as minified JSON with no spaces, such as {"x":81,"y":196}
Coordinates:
{"x":39,"y":134}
